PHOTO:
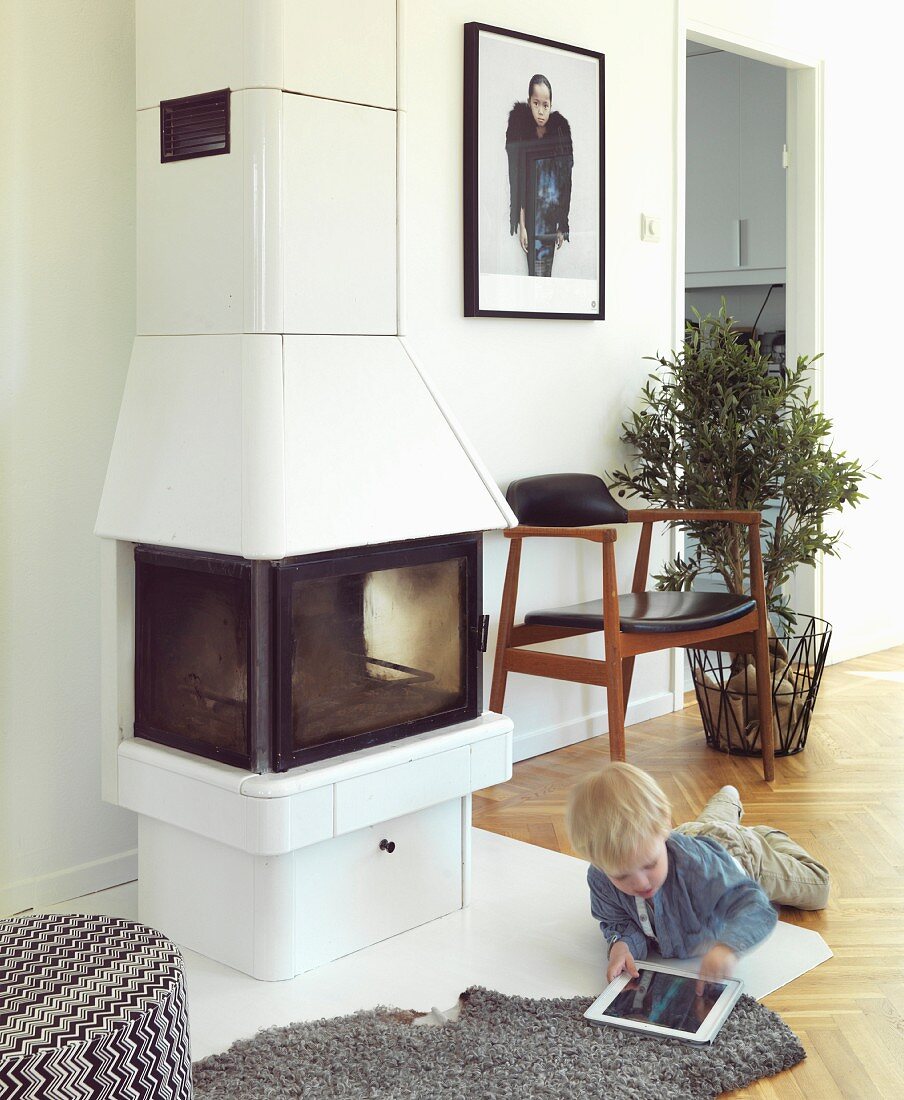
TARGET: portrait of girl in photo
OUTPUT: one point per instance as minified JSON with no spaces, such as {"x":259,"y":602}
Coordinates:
{"x":540,"y":163}
{"x":533,"y":222}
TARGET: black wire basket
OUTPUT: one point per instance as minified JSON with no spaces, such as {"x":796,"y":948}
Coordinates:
{"x":725,"y":686}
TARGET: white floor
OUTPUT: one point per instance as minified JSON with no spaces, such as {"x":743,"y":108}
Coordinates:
{"x":528,"y":931}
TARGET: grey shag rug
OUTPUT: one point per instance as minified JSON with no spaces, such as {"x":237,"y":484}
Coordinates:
{"x":500,"y":1047}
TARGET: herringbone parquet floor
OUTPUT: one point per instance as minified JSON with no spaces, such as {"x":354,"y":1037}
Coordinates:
{"x":843,"y":798}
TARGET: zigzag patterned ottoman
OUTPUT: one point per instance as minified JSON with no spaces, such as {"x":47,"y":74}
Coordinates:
{"x":91,"y":1008}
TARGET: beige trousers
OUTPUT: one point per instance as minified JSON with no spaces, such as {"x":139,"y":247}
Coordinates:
{"x":788,"y":873}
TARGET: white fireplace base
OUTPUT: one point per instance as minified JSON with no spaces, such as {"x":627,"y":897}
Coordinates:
{"x":276,"y":874}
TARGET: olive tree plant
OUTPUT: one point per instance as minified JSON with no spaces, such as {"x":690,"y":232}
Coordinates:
{"x":717,"y":429}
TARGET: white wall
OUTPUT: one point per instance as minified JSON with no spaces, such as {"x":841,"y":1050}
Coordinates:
{"x":541,"y":396}
{"x":534,"y":396}
{"x":860,"y":376}
{"x":67,"y":318}
{"x":864,"y":380}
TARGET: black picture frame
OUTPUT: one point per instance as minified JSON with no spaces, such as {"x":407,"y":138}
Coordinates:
{"x":529,"y":250}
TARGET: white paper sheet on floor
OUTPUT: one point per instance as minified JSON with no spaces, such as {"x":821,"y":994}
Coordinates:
{"x":783,"y":956}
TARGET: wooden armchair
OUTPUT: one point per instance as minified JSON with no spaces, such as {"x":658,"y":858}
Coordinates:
{"x":573,"y":506}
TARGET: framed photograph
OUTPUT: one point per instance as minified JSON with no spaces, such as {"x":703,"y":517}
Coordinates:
{"x":534,"y":196}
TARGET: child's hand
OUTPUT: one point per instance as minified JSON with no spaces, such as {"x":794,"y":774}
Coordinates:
{"x":621,"y":959}
{"x":719,"y":962}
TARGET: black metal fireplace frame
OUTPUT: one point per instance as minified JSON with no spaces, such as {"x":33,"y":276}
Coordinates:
{"x":265,"y":601}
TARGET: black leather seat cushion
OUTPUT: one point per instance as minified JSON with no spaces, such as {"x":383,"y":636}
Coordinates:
{"x":652,"y":612}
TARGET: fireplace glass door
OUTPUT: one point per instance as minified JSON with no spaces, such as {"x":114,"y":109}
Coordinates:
{"x":375,"y":646}
{"x":193,"y":649}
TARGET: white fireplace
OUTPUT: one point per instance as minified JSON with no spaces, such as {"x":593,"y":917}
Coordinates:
{"x":273,"y":413}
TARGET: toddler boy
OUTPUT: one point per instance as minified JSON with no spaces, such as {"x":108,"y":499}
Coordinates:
{"x":704,"y":888}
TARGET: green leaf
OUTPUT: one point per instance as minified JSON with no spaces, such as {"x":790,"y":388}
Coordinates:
{"x":714,"y":429}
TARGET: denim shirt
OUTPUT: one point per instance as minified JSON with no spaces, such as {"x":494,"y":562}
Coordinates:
{"x":706,"y":898}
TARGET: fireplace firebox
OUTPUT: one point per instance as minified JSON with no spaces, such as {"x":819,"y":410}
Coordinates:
{"x":268,"y":665}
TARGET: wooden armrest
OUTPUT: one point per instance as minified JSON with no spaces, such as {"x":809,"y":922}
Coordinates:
{"x":593,"y":534}
{"x":693,"y":515}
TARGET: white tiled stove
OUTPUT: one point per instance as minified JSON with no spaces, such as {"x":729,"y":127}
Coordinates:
{"x":272,"y":409}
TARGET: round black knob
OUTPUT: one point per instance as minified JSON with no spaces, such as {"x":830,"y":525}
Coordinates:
{"x":387,"y":846}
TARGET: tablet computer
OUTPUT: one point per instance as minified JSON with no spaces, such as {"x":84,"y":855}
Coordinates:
{"x":665,"y":1001}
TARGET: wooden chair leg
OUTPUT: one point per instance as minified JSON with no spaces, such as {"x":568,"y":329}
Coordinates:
{"x":764,"y":702}
{"x":639,"y":584}
{"x":616,"y":711}
{"x":761,"y":654}
{"x":506,"y":621}
{"x":627,"y":677}
{"x":615,"y":668}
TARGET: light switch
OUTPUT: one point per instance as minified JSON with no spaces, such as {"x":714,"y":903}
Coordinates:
{"x":650,"y":227}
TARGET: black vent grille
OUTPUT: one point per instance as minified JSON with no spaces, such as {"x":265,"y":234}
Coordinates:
{"x":195,"y":126}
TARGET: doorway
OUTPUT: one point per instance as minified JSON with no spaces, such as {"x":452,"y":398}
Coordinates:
{"x":774,"y":274}
{"x":735,"y":194}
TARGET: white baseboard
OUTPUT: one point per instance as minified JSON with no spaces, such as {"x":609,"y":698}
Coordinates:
{"x":536,"y":742}
{"x":861,"y":645}
{"x":17,"y":897}
{"x":72,"y":882}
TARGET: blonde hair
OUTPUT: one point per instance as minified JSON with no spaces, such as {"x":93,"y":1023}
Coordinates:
{"x":614,"y":814}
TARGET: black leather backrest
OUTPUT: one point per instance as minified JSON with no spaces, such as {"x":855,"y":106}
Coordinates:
{"x":563,"y":500}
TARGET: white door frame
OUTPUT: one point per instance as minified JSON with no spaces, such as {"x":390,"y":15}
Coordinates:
{"x":804,"y":238}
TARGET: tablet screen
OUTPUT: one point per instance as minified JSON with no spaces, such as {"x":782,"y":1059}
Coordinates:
{"x":667,"y":1000}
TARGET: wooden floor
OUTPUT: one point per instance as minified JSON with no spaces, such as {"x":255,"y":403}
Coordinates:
{"x":843,"y":799}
